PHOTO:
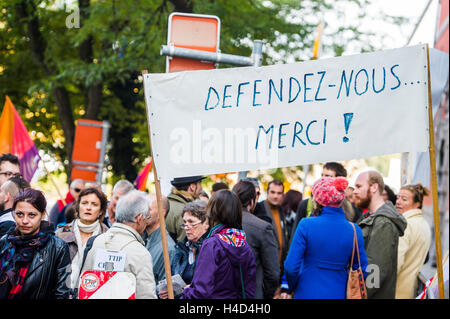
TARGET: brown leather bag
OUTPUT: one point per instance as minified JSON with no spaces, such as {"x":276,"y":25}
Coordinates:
{"x":356,"y":288}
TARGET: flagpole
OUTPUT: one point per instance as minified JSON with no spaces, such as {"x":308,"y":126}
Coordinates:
{"x":162,"y":220}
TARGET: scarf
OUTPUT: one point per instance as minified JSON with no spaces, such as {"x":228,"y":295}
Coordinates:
{"x":16,"y":257}
{"x":78,"y":226}
{"x":194,"y":248}
{"x":184,"y":194}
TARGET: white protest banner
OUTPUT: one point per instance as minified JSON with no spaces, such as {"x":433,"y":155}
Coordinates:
{"x":237,"y":119}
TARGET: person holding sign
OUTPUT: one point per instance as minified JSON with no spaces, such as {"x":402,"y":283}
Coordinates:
{"x":413,"y":246}
{"x":316,"y":266}
{"x":34,"y":263}
{"x":123,"y":245}
{"x":226,"y":266}
{"x":90,"y":206}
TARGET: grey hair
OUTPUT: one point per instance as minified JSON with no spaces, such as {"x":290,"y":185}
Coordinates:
{"x":123,"y":186}
{"x":131,"y":205}
{"x":197,"y":208}
{"x":76,"y":181}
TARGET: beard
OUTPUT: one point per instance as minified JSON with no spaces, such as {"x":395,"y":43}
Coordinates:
{"x":363,"y":203}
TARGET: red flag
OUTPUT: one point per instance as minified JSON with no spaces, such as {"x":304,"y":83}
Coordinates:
{"x":14,"y":139}
{"x":141,"y":179}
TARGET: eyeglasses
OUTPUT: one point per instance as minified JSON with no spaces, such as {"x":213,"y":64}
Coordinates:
{"x":190,"y":225}
{"x":148,"y":217}
{"x":77,"y":190}
{"x":10,"y":174}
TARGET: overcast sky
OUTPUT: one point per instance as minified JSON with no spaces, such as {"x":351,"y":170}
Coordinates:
{"x":413,"y":10}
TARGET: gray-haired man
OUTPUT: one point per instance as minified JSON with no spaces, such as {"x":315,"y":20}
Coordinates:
{"x":120,"y":189}
{"x":125,"y":236}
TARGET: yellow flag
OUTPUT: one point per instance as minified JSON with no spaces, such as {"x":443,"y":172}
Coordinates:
{"x":318,"y":43}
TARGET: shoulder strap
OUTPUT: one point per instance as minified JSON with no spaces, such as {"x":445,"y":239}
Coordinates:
{"x":88,"y":247}
{"x":355,"y":244}
{"x":242,"y":283}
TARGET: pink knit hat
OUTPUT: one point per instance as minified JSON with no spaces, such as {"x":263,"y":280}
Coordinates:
{"x":330,"y":191}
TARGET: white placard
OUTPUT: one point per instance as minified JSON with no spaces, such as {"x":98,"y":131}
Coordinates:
{"x":103,"y":256}
{"x":238,"y":119}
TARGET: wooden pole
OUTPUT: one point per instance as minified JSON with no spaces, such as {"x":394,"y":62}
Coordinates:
{"x":162,"y":221}
{"x":437,"y":228}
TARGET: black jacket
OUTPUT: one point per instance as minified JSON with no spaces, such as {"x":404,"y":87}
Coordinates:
{"x":5,"y":223}
{"x":262,"y":211}
{"x":261,"y":238}
{"x":49,"y":271}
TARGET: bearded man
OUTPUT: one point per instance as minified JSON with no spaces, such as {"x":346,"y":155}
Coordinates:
{"x":381,"y":225}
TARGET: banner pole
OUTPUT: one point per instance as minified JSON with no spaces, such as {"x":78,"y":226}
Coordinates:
{"x":162,"y":221}
{"x":437,"y":230}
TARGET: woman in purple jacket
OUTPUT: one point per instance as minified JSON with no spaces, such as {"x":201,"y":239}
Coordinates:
{"x":226,"y":266}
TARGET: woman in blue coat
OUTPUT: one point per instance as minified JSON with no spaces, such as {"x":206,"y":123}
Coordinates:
{"x":316,"y":266}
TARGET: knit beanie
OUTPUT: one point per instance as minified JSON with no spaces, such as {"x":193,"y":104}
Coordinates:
{"x":330,"y":191}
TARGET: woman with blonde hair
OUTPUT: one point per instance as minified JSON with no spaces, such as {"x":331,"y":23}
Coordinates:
{"x":413,"y":246}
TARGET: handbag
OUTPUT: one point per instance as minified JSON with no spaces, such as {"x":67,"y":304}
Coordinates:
{"x":356,"y":288}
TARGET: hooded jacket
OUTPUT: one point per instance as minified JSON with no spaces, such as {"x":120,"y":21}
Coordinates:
{"x":381,"y":231}
{"x":225,"y":267}
{"x":263,"y":243}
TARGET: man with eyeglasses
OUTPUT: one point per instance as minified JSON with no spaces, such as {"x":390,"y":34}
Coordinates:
{"x":56,"y":215}
{"x":9,"y":167}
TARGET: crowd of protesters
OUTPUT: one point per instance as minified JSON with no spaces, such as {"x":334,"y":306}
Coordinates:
{"x":225,"y":245}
